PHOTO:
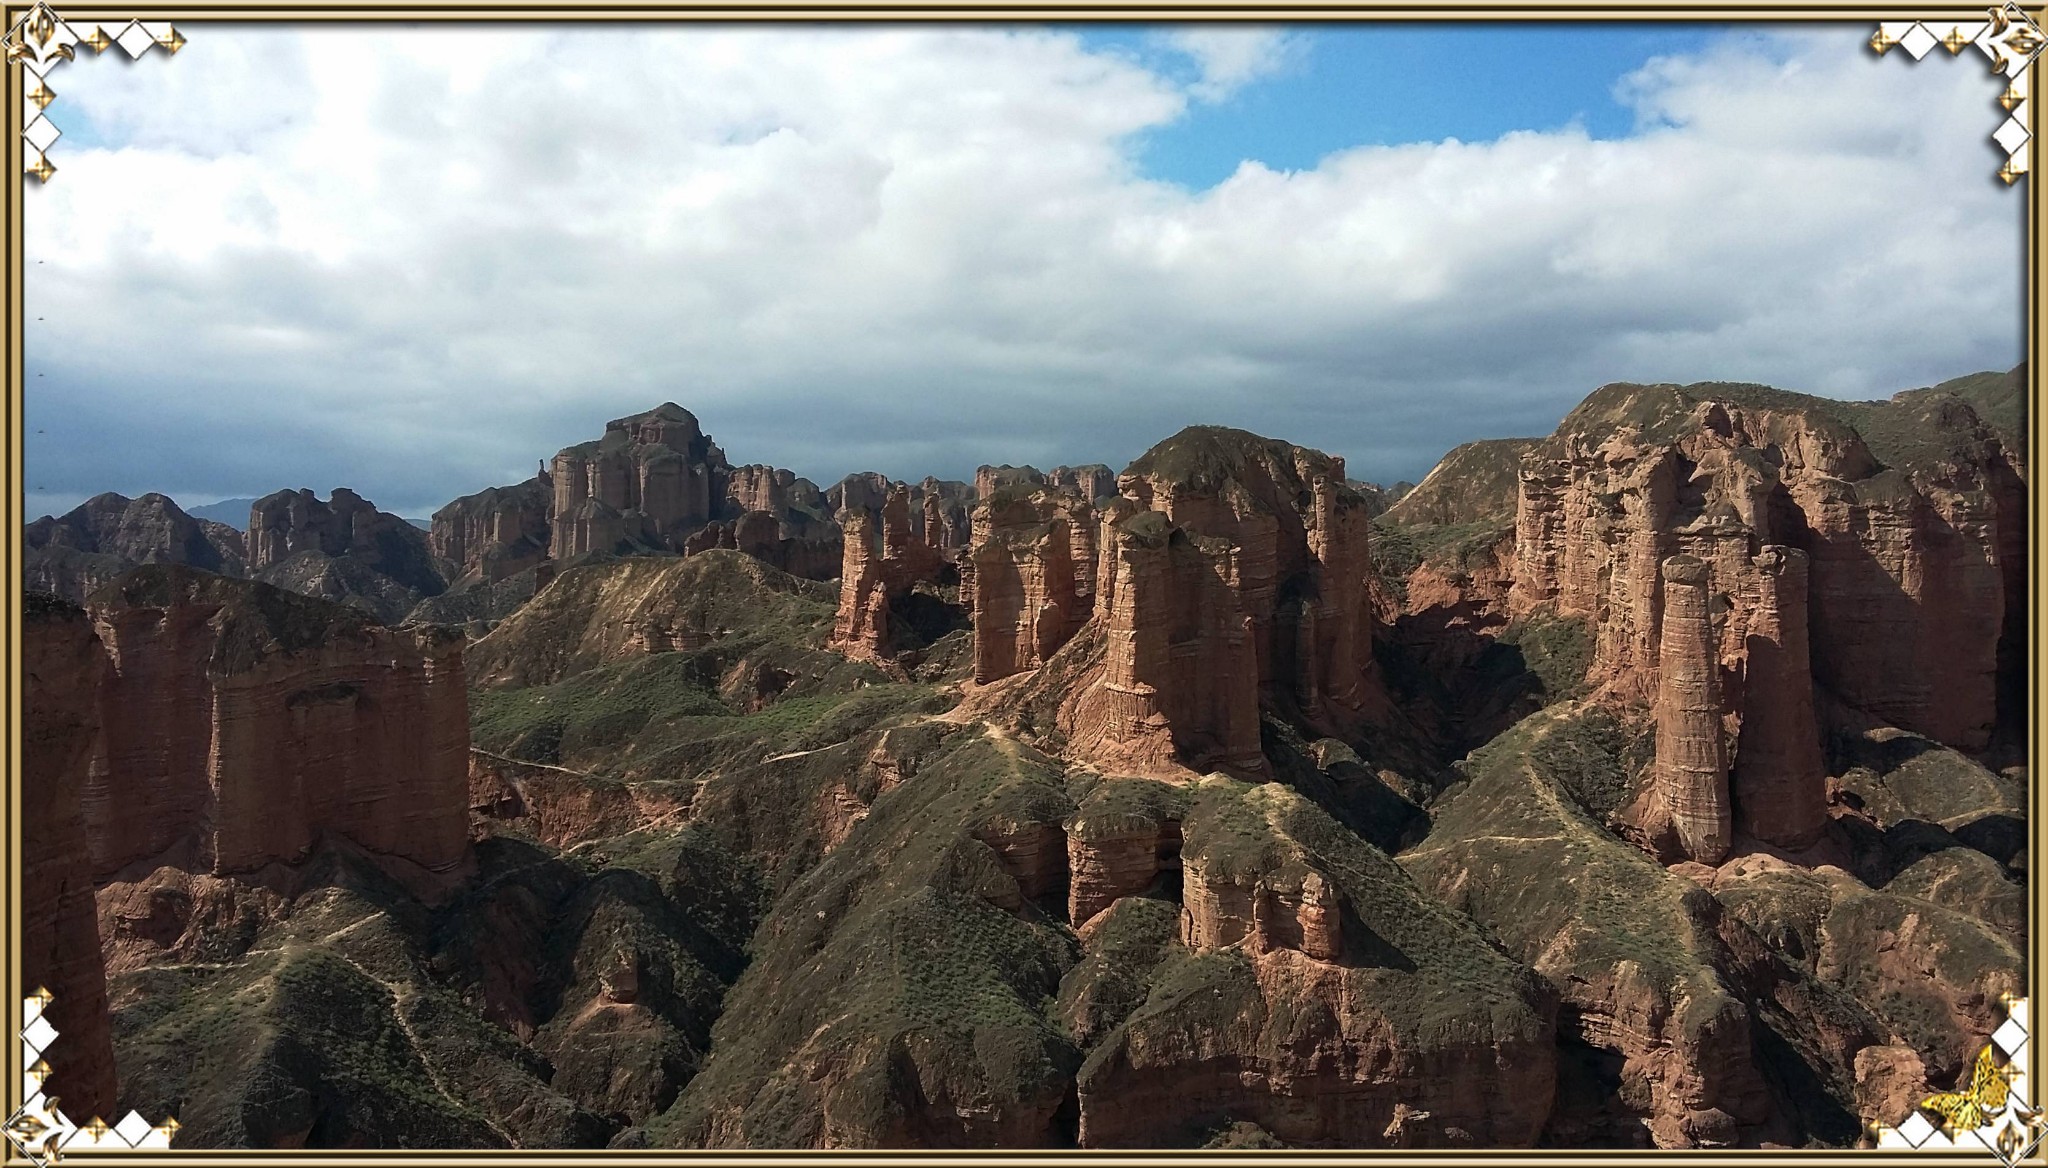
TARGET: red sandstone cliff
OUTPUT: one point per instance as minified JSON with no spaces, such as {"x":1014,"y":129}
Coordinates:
{"x":60,"y":945}
{"x":1232,"y":572}
{"x":241,"y":721}
{"x":1029,"y":578}
{"x":495,"y":533}
{"x":650,"y":481}
{"x":872,"y":578}
{"x":1907,"y":541}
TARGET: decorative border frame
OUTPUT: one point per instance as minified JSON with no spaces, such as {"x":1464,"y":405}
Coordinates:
{"x":40,"y":41}
{"x":2013,"y":42}
{"x":42,"y":1132}
{"x":2012,"y":1128}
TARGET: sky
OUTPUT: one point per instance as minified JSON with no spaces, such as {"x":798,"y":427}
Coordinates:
{"x":415,"y":261}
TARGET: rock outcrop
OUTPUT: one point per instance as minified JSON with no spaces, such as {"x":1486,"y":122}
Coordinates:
{"x":494,"y":534}
{"x":60,"y":944}
{"x":241,"y":721}
{"x":1692,"y":766}
{"x":1661,"y":987}
{"x":647,"y":484}
{"x":873,"y":579}
{"x":1780,"y":781}
{"x":1178,"y":683}
{"x":1121,"y":840}
{"x":990,"y":479}
{"x":1091,"y":481}
{"x":813,"y":549}
{"x":344,"y":550}
{"x":1029,"y":578}
{"x":943,"y":513}
{"x":1323,"y":1034}
{"x":73,"y":556}
{"x":755,"y":487}
{"x":1232,"y":570}
{"x":1905,"y":509}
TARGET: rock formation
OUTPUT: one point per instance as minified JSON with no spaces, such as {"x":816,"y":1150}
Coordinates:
{"x":943,"y":512}
{"x":1232,"y":570}
{"x":813,"y":549}
{"x":96,"y":541}
{"x":649,"y":482}
{"x":343,"y":550}
{"x":1178,"y":684}
{"x":755,"y":487}
{"x":1909,"y":541}
{"x":1692,"y":765}
{"x":989,"y":479}
{"x":494,"y":534}
{"x":1119,"y":843}
{"x":1285,"y":1018}
{"x":1091,"y":481}
{"x":1780,"y":779}
{"x":241,"y":721}
{"x":1029,"y":578}
{"x":864,"y":492}
{"x":60,"y":945}
{"x":872,"y":579}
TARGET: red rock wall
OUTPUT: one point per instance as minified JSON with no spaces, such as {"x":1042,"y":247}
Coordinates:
{"x":1178,"y":685}
{"x":652,"y":479}
{"x":870,"y":577}
{"x":1907,"y":574}
{"x":495,"y":533}
{"x":60,"y":944}
{"x":1780,"y":780}
{"x":240,"y":722}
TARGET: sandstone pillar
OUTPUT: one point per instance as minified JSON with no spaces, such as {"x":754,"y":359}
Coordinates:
{"x":1691,"y":766}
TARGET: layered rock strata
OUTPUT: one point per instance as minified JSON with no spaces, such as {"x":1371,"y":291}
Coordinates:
{"x":1029,"y":579}
{"x":1779,"y":784}
{"x":990,"y":479}
{"x":1091,"y":481}
{"x":812,"y":550}
{"x":755,"y":487}
{"x":495,"y":533}
{"x":241,"y":721}
{"x":1908,"y":542}
{"x":1178,"y":683}
{"x":60,"y":944}
{"x":872,"y":578}
{"x":1232,"y":569}
{"x":1319,"y":1036}
{"x":1692,"y":765}
{"x":649,"y":482}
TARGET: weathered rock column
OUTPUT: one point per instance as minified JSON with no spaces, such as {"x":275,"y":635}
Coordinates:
{"x":60,"y":944}
{"x":1691,"y":767}
{"x":1780,"y":780}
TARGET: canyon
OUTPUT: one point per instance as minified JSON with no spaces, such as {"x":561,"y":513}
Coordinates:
{"x":1658,"y":782}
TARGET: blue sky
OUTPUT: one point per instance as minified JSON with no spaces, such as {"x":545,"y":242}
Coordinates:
{"x":1387,"y":83}
{"x":416,"y":262}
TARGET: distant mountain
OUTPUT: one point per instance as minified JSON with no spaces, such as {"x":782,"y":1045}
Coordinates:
{"x":233,"y":512}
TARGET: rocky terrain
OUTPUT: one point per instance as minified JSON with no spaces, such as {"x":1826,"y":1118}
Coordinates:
{"x":1655,"y":783}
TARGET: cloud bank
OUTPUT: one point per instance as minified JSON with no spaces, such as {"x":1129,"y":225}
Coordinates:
{"x":416,"y":261}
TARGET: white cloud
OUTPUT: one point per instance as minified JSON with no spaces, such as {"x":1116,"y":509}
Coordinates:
{"x":1230,"y":56}
{"x":417,"y":261}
